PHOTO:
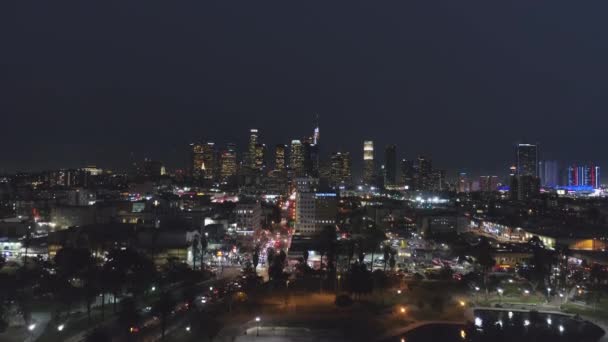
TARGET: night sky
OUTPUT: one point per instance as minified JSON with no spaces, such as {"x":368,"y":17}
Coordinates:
{"x":106,"y":83}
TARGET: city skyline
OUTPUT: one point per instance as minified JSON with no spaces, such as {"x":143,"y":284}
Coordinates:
{"x":430,"y":84}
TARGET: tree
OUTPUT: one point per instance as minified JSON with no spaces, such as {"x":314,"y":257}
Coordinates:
{"x":484,"y":259}
{"x":327,"y":245}
{"x":386,"y":249}
{"x":373,"y":239}
{"x":128,"y":317}
{"x":203,"y":247}
{"x":540,"y":265}
{"x":163,"y":308}
{"x":275,"y":270}
{"x":92,"y":285}
{"x":77,"y":275}
{"x":256,"y":258}
{"x":269,"y":256}
{"x":195,"y":250}
{"x":98,"y":335}
{"x":392,"y":260}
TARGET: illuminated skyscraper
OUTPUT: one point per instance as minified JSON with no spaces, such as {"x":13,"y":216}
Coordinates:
{"x":196,"y":150}
{"x":584,"y":175}
{"x":549,"y":173}
{"x":525,"y":184}
{"x":251,"y":151}
{"x":296,"y":162}
{"x":424,"y":175}
{"x":279,"y":158}
{"x":209,"y":166}
{"x":260,"y":150}
{"x":390,"y":166}
{"x":527,"y":160}
{"x":340,"y":169}
{"x":228,"y":162}
{"x":488,"y":183}
{"x":408,"y":174}
{"x":463,"y":182}
{"x":368,"y":162}
{"x":316,"y":133}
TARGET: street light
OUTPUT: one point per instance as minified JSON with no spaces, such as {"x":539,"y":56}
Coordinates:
{"x":257,"y":320}
{"x":398,"y":291}
{"x":462,"y":303}
{"x":153,"y":288}
{"x":188,"y":328}
{"x":500,"y":291}
{"x":402,"y":309}
{"x":60,"y":327}
{"x":31,"y":327}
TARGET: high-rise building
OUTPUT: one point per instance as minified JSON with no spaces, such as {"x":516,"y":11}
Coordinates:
{"x":209,"y":161}
{"x":525,"y":183}
{"x":549,"y":173}
{"x":463,"y":182}
{"x":279,"y":158}
{"x":390,"y":166}
{"x":340,"y":169}
{"x":311,"y":159}
{"x":369,"y":169}
{"x":314,"y":209}
{"x":251,"y":151}
{"x":316,"y":133}
{"x":228,"y":162}
{"x":584,"y":175}
{"x":488,"y":183}
{"x":408,"y":174}
{"x":258,"y":158}
{"x":296,"y":162}
{"x":196,"y":150}
{"x":527,"y":160}
{"x":424,"y":175}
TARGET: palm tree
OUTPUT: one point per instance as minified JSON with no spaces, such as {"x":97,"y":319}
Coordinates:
{"x":128,"y":316}
{"x":163,"y":308}
{"x":373,"y":239}
{"x":386,"y":249}
{"x":256,"y":259}
{"x":203,"y":243}
{"x":91,"y":285}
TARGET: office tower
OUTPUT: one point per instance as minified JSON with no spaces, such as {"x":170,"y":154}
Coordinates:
{"x":488,"y":183}
{"x":424,"y":174}
{"x":228,"y":162}
{"x":196,"y":150}
{"x":438,"y":180}
{"x":463,"y":182}
{"x":252,"y":149}
{"x":408,"y":174}
{"x":549,"y":173}
{"x":314,"y":209}
{"x":584,"y":175}
{"x":369,"y":169}
{"x":390,"y":166}
{"x":279,"y":158}
{"x":340,"y":169}
{"x":527,"y":160}
{"x":258,"y":159}
{"x":525,"y":184}
{"x":296,"y":162}
{"x":150,"y":169}
{"x":310,"y":154}
{"x":209,"y":161}
{"x":316,"y":133}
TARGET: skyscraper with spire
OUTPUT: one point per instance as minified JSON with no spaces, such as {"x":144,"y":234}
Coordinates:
{"x":316,"y":133}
